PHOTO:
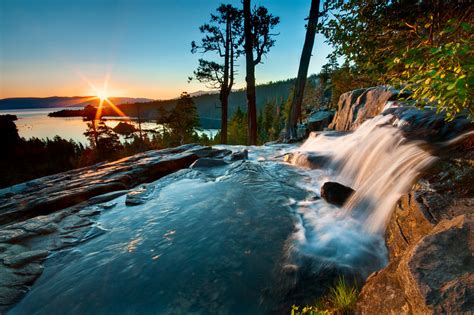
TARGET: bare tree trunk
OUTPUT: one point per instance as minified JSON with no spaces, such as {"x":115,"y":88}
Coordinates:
{"x":224,"y":94}
{"x":250,"y":76}
{"x":295,"y":111}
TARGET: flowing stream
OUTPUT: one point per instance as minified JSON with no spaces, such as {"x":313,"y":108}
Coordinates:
{"x":252,"y":237}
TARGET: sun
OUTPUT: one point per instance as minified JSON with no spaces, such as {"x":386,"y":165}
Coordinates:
{"x":104,"y":98}
{"x":102,"y":95}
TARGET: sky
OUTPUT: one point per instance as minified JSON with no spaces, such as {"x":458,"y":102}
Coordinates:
{"x":141,"y":47}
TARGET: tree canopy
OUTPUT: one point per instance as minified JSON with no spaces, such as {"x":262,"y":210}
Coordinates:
{"x":421,"y":46}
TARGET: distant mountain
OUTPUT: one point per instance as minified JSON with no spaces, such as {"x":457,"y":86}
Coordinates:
{"x":207,"y":102}
{"x":59,"y":101}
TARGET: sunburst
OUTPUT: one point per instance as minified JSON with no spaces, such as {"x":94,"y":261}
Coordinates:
{"x":103,"y":96}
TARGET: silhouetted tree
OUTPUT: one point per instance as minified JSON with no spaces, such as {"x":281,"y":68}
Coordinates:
{"x":222,"y":36}
{"x":183,"y":119}
{"x":9,"y":137}
{"x":90,"y":116}
{"x":257,"y":26}
{"x":104,"y":140}
{"x":298,"y":92}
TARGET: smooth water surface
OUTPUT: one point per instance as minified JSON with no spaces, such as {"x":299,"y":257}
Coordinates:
{"x":36,"y":123}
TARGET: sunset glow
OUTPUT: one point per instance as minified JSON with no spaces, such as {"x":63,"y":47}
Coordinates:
{"x":102,"y":94}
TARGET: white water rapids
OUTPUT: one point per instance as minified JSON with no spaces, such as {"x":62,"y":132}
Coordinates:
{"x":377,"y":162}
{"x":380,"y":164}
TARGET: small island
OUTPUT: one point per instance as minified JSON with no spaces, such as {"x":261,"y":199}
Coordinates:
{"x":68,"y":113}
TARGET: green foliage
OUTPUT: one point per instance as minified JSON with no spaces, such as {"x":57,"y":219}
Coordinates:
{"x":308,"y":310}
{"x":262,"y":22}
{"x":238,"y":128}
{"x":269,"y":124}
{"x":103,"y":139}
{"x":441,"y":75}
{"x":183,"y":119}
{"x":223,"y":37}
{"x":423,"y":46}
{"x":341,"y":299}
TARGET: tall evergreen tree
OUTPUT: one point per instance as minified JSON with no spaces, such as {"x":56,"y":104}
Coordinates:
{"x":183,"y":119}
{"x":258,"y":39}
{"x":222,"y":36}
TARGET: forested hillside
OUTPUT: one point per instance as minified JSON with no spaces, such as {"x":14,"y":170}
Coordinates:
{"x":208,"y":105}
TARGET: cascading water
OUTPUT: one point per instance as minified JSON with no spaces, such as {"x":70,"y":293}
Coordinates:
{"x":378,"y":162}
{"x":249,"y":237}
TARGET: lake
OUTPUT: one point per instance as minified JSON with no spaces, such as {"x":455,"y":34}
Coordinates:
{"x":36,"y":123}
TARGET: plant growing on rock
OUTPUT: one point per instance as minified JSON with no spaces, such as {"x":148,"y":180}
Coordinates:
{"x":341,"y":299}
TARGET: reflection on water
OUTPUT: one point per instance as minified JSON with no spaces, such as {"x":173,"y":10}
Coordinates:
{"x":201,"y":244}
{"x":36,"y":123}
{"x":251,"y":237}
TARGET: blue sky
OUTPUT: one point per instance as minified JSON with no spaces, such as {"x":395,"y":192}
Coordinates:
{"x":55,"y":47}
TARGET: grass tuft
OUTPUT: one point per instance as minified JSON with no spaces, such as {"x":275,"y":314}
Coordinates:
{"x":341,"y":299}
{"x":343,"y":296}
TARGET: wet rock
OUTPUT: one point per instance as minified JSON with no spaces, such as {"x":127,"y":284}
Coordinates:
{"x":208,"y":162}
{"x":88,"y":212}
{"x":75,"y":222}
{"x":307,"y":159}
{"x":97,"y":183}
{"x":433,"y":276}
{"x":25,"y":257}
{"x":240,"y":155}
{"x":410,"y":221}
{"x":34,"y":268}
{"x":8,"y":278}
{"x":336,"y":193}
{"x":107,"y":197}
{"x":319,"y":120}
{"x":14,"y":235}
{"x":10,"y":295}
{"x":139,"y":195}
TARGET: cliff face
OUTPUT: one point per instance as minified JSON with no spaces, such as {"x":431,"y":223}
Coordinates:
{"x":430,"y":239}
{"x":356,"y":106}
{"x":430,"y":236}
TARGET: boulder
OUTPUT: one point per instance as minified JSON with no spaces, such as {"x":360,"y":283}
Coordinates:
{"x":240,"y":155}
{"x":319,"y":120}
{"x":139,"y":195}
{"x":430,"y":239}
{"x":433,"y":276}
{"x":356,"y":106}
{"x":336,"y":193}
{"x":208,"y":162}
{"x":310,"y":160}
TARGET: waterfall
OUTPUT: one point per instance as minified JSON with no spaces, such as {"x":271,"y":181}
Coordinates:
{"x":381,"y":165}
{"x":378,"y":162}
